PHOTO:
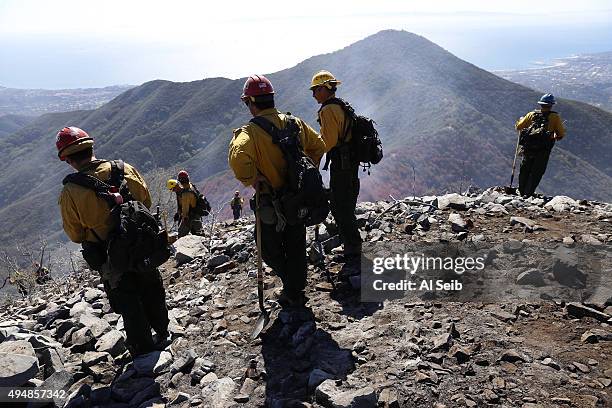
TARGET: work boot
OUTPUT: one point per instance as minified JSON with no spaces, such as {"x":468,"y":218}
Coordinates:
{"x":296,"y":299}
{"x":352,"y":266}
{"x":347,"y":258}
{"x":136,"y":350}
{"x":161,"y":341}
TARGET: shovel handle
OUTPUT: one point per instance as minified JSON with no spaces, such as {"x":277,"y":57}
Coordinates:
{"x":518,"y":139}
{"x":260,"y":276}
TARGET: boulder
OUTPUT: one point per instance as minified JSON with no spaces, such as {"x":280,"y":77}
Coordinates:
{"x":590,"y":239}
{"x":51,"y":361}
{"x":189,"y":247}
{"x":579,"y":310}
{"x":528,"y":224}
{"x":503,"y":316}
{"x":551,"y":363}
{"x":224,"y":267}
{"x":461,"y":353}
{"x":21,"y":347}
{"x":111,"y":318}
{"x":531,"y":277}
{"x":388,"y":398}
{"x":208,"y":378}
{"x":92,"y":294}
{"x":329,"y":395}
{"x":91,"y":358}
{"x":82,"y":340}
{"x":112,"y":342}
{"x":17,"y":369}
{"x":217,"y":260}
{"x":323,"y":233}
{"x":596,"y":335}
{"x":565,"y":270}
{"x":248,"y":386}
{"x":458,"y":224}
{"x":442,"y":342}
{"x":60,"y":380}
{"x":600,"y":297}
{"x":561,"y":203}
{"x":568,"y":241}
{"x":38,"y":341}
{"x":494,"y":208}
{"x":218,"y":393}
{"x":79,"y":308}
{"x":64,"y":326}
{"x":454,"y":201}
{"x":52,"y":315}
{"x":97,"y":326}
{"x":425,"y":221}
{"x":184,"y":362}
{"x":512,"y":356}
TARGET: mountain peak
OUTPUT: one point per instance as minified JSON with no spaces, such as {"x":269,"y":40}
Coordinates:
{"x":443,"y":122}
{"x":391,"y":34}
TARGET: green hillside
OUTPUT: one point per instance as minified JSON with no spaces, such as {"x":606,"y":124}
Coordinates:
{"x":12,"y":123}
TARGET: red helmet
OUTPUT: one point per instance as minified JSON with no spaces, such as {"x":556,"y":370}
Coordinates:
{"x":183,"y":176}
{"x":70,"y":140}
{"x":257,"y":85}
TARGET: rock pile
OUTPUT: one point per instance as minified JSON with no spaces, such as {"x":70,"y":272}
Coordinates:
{"x":338,"y":351}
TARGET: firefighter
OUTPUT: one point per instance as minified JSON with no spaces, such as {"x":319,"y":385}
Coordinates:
{"x":186,"y":201}
{"x":256,"y":161}
{"x":542,"y":127}
{"x":139,"y":298}
{"x":236,"y":204}
{"x":344,"y":169}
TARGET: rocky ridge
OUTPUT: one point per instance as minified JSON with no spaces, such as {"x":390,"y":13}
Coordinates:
{"x":336,"y":352}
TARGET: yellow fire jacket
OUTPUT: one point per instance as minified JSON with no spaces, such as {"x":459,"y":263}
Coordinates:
{"x":187,"y":199}
{"x":333,"y":122}
{"x":83,"y":212}
{"x":555,"y":124}
{"x":252,"y":150}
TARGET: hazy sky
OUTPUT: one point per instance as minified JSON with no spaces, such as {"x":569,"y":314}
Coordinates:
{"x":66,"y":43}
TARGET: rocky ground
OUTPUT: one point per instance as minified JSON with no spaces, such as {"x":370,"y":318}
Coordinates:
{"x":338,"y":351}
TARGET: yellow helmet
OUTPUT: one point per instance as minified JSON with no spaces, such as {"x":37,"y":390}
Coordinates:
{"x":171,"y":183}
{"x":324,"y":78}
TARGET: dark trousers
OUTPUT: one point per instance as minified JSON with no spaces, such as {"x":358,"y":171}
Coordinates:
{"x":193,"y":225}
{"x":141,"y":300}
{"x":237,"y":211}
{"x":285,"y":252}
{"x":344,"y":186}
{"x":533,"y":167}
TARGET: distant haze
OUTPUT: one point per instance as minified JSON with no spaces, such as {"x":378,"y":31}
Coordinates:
{"x":70,"y":44}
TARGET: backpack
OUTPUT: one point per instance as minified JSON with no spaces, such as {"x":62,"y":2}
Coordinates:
{"x":202,"y":207}
{"x":365,"y":144}
{"x":136,"y":242}
{"x":303,"y":198}
{"x":536,"y":137}
{"x":236,"y":203}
